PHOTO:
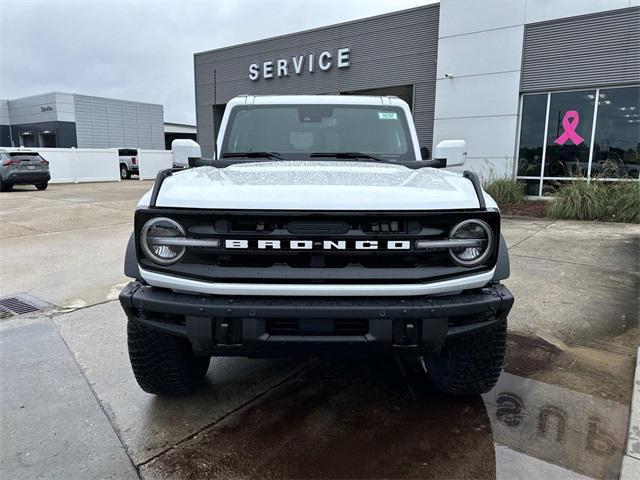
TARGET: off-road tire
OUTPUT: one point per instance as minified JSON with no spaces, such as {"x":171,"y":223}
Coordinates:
{"x":470,"y":364}
{"x":164,"y":364}
{"x":42,"y":186}
{"x":125,"y":173}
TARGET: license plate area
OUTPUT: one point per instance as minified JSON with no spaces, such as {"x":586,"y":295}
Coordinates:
{"x":317,"y":326}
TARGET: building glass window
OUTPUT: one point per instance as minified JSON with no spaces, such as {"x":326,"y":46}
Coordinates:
{"x":534,"y":109}
{"x":569,"y":134}
{"x":617,"y":137}
{"x":556,"y":141}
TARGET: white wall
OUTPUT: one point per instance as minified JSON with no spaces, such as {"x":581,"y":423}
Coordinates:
{"x":480,"y":47}
{"x":74,"y":165}
{"x":150,"y":162}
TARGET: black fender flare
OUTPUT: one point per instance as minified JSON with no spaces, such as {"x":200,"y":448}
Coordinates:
{"x":131,"y":269}
{"x":503,"y":269}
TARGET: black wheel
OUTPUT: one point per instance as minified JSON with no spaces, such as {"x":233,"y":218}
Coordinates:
{"x":470,"y":364}
{"x":164,"y":364}
{"x":125,"y":173}
{"x":4,"y":186}
{"x":42,"y":186}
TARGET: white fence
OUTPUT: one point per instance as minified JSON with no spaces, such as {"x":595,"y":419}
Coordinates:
{"x":82,"y":164}
{"x":75,"y":165}
{"x":152,"y":161}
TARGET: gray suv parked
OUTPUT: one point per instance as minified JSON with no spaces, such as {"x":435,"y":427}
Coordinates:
{"x":23,"y":168}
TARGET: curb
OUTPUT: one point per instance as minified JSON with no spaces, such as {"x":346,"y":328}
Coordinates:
{"x":631,"y":460}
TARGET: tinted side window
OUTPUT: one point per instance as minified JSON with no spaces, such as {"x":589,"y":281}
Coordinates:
{"x":617,"y":138}
{"x":534,"y":109}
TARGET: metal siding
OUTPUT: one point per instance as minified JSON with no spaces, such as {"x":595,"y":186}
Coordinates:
{"x":100,"y":123}
{"x":116,"y":126}
{"x":157,"y":127}
{"x":591,"y":50}
{"x":130,"y":122}
{"x":28,"y":110}
{"x":144,"y":126}
{"x":424,"y":95}
{"x":109,"y":123}
{"x":389,"y":50}
{"x":84,"y":127}
{"x":4,"y":112}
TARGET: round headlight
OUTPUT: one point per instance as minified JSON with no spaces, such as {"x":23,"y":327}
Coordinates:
{"x":471,"y":256}
{"x":156,"y":242}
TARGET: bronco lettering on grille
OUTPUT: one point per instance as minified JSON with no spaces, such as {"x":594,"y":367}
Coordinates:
{"x":318,"y":244}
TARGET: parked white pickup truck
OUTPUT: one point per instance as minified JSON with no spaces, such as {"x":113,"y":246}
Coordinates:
{"x":320,"y":229}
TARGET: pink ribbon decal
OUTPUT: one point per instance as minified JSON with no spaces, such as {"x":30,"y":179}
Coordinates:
{"x":570,"y":123}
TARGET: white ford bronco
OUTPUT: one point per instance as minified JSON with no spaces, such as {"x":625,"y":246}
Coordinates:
{"x":320,"y":228}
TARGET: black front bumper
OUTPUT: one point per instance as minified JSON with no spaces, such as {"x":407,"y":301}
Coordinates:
{"x":28,"y":177}
{"x":282,"y":326}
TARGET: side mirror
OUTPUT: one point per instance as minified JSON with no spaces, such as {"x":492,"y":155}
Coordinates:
{"x":453,"y":153}
{"x":425,"y":153}
{"x":182,"y":149}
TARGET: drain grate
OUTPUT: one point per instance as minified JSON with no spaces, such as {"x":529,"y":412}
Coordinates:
{"x":19,"y":305}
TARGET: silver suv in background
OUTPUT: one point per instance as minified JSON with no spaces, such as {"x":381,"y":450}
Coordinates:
{"x":128,"y":162}
{"x":23,"y":168}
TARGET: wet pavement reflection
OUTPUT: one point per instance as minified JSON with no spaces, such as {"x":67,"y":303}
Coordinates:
{"x":553,"y":414}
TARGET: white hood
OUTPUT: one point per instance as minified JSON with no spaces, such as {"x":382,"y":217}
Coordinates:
{"x":317,"y":185}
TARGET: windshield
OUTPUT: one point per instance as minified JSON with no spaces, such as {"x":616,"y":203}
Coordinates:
{"x":297,"y":132}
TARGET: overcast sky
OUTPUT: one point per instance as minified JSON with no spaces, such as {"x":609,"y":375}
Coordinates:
{"x":143,"y":50}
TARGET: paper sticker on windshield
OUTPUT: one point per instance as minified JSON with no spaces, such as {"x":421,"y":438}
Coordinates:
{"x":387,"y":116}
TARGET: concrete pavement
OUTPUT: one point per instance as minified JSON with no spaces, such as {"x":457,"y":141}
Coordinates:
{"x":70,"y":407}
{"x":65,"y":245}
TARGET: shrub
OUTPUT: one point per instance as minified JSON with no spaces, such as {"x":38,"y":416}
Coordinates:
{"x":581,"y":200}
{"x":626,"y":202}
{"x":505,"y":191}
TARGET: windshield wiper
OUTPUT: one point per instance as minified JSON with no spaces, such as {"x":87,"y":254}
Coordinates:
{"x":350,"y":155}
{"x":252,"y":155}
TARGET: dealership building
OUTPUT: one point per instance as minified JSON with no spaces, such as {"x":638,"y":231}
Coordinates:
{"x":70,"y":120}
{"x":541,"y":90}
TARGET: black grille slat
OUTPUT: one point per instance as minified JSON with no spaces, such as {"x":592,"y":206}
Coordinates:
{"x":283,"y":327}
{"x":331,"y":259}
{"x":351,"y":327}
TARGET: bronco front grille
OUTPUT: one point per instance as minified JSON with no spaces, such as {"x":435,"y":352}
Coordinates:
{"x":347,"y":264}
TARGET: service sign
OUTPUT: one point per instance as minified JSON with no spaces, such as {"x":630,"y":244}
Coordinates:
{"x":297,"y":65}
